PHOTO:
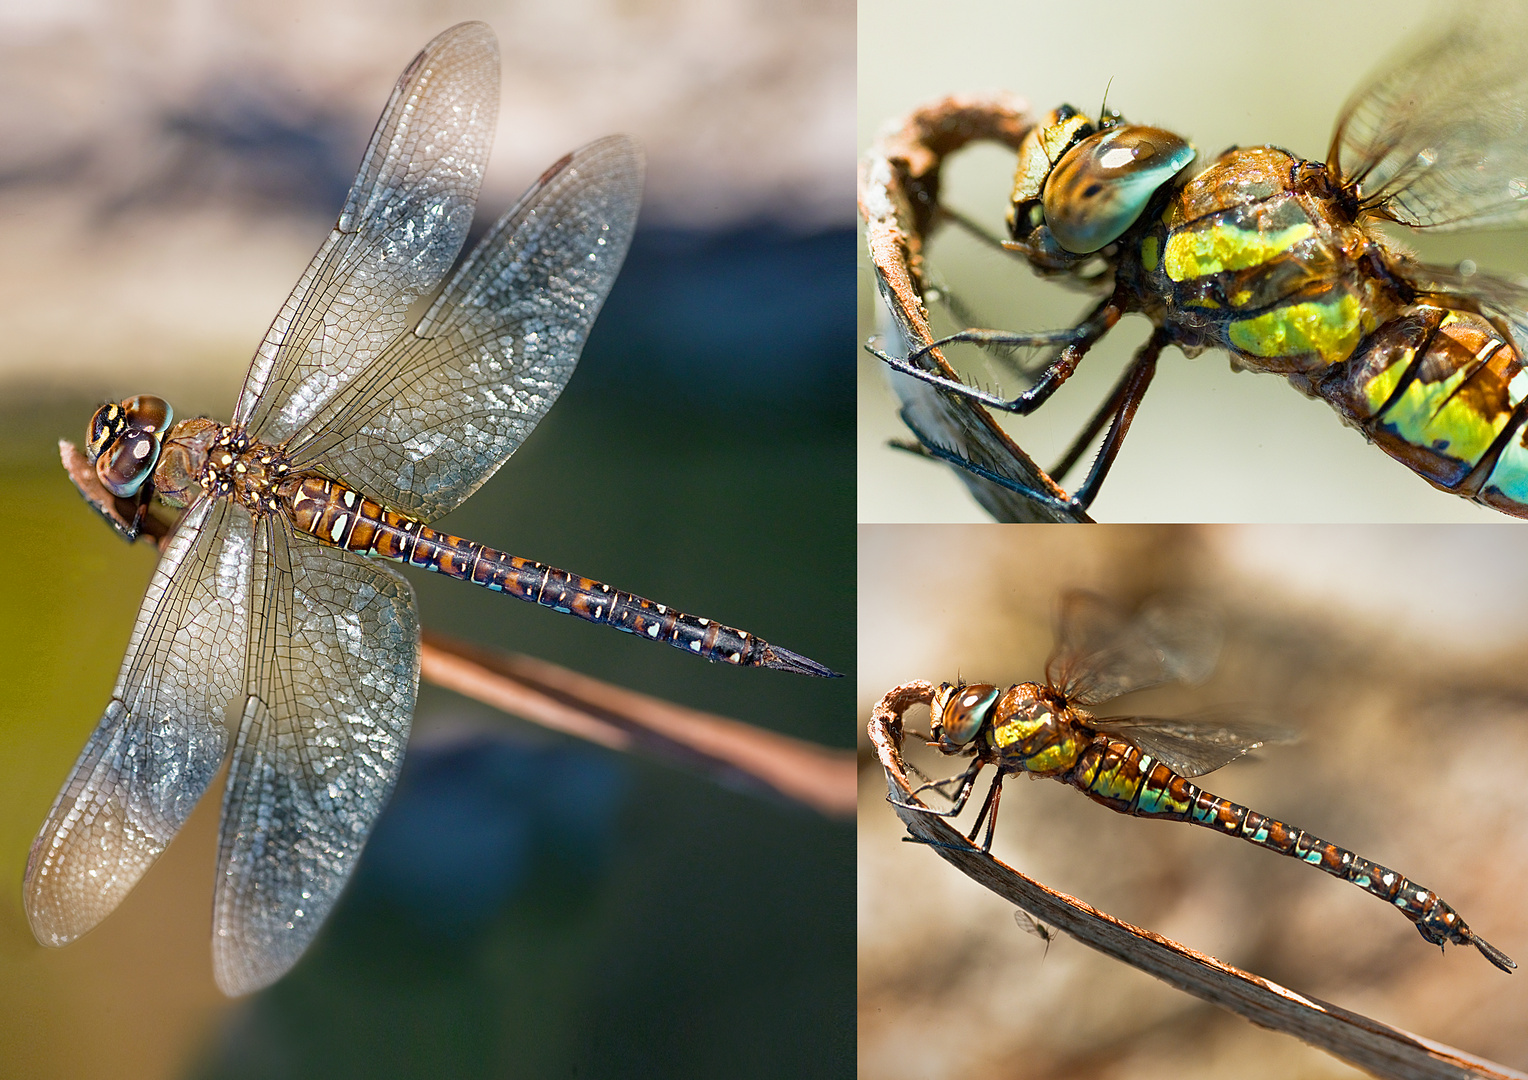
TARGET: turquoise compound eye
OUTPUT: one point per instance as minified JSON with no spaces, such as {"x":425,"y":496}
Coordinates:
{"x":964,"y":711}
{"x":1100,"y":186}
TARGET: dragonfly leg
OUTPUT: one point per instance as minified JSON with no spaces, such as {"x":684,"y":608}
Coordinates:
{"x":1118,"y":411}
{"x":1075,"y":343}
{"x":989,"y":811}
{"x":1121,"y":405}
{"x":940,"y":453}
{"x":967,"y":780}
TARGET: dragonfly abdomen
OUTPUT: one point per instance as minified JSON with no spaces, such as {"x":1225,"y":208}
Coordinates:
{"x":1120,"y":776}
{"x":1438,"y":388}
{"x":335,"y":514}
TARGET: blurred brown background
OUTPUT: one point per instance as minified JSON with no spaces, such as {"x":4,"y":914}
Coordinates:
{"x":1397,"y":653}
{"x":528,"y":906}
{"x":1208,"y":444}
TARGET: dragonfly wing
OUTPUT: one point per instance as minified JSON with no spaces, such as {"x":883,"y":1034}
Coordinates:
{"x":435,"y":415}
{"x":1101,"y":654}
{"x":163,"y":737}
{"x":333,"y":670}
{"x":1196,"y":744}
{"x":1440,"y":133}
{"x":1495,"y":296}
{"x":402,"y":227}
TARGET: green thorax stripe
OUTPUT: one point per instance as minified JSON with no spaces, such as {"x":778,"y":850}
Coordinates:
{"x":1213,"y":249}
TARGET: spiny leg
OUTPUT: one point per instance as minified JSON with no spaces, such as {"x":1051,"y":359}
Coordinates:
{"x":1075,"y":343}
{"x":989,"y":811}
{"x":1118,"y":411}
{"x":1122,"y":404}
{"x":930,"y":449}
{"x":967,"y":780}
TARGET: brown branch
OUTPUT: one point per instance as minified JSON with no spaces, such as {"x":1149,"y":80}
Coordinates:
{"x":1368,"y":1044}
{"x":899,"y":200}
{"x":727,"y":751}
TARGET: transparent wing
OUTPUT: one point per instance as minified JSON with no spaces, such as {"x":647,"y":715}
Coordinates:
{"x":435,"y":415}
{"x":1493,"y":295}
{"x":402,"y":227}
{"x":1439,"y":136}
{"x":333,"y":669}
{"x":164,"y":734}
{"x":1100,"y":653}
{"x":1197,"y":744}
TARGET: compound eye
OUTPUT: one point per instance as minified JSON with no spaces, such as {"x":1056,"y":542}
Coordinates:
{"x":128,"y":463}
{"x":965,"y":710}
{"x":108,"y":422}
{"x":147,"y":412}
{"x":1100,"y":186}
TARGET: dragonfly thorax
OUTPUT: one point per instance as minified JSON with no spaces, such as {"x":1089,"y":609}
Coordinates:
{"x":202,"y":455}
{"x":250,"y":473}
{"x":1032,"y":729}
{"x":1026,"y":728}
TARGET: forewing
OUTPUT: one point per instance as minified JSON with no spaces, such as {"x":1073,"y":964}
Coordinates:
{"x":446,"y":405}
{"x":1197,"y":744}
{"x":1440,"y":133}
{"x":402,"y":227}
{"x":1100,"y":654}
{"x":163,"y":737}
{"x":333,"y":669}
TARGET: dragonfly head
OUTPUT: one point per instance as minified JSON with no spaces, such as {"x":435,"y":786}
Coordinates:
{"x":1081,"y":184}
{"x":123,"y":442}
{"x":959,"y":710}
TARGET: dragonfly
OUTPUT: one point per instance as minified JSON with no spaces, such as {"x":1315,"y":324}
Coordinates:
{"x":1140,"y":765}
{"x":1280,"y":262}
{"x":272,"y":634}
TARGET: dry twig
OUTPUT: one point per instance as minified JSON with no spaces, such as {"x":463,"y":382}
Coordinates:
{"x":899,"y":200}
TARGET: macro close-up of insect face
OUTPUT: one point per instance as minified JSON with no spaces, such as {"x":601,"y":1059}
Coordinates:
{"x":1301,"y":262}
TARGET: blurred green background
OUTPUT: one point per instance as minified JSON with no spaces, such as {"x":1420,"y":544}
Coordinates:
{"x":530,"y":906}
{"x":1208,"y":444}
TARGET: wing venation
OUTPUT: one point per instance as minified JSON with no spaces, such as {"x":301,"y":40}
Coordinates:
{"x":333,"y":671}
{"x":163,"y":735}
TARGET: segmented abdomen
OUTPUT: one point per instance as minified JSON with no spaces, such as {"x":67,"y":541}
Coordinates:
{"x":336,"y":515}
{"x":1441,"y":390}
{"x":1123,"y":778}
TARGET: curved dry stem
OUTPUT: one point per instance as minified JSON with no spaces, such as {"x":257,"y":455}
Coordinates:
{"x":727,"y":751}
{"x":1368,"y":1044}
{"x":899,"y":200}
{"x":730,"y":752}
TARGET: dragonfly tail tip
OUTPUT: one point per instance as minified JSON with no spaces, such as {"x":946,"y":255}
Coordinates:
{"x":785,"y":660}
{"x":1493,"y":954}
